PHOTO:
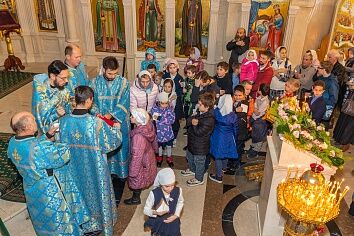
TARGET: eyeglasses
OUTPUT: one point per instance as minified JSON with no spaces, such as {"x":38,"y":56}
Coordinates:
{"x":62,"y":78}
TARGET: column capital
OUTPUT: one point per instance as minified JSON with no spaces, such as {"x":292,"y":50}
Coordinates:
{"x":245,"y":7}
{"x":293,"y":10}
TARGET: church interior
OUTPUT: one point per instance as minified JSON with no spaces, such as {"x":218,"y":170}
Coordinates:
{"x":247,"y":202}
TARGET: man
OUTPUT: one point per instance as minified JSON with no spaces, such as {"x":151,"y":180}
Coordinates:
{"x":50,"y":98}
{"x":90,"y":139}
{"x":265,"y":72}
{"x":78,"y":75}
{"x":53,"y":200}
{"x":305,"y":73}
{"x":238,"y":46}
{"x":112,"y":101}
{"x":338,"y":71}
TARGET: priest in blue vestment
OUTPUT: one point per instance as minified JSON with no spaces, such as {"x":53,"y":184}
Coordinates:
{"x":50,"y":98}
{"x":77,"y":70}
{"x":53,"y":200}
{"x":112,"y":100}
{"x":90,"y":138}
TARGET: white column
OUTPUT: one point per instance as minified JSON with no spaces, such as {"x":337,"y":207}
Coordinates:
{"x":213,"y":29}
{"x":170,"y":27}
{"x":245,"y":15}
{"x":130,"y":36}
{"x":72,"y":36}
{"x":293,"y":10}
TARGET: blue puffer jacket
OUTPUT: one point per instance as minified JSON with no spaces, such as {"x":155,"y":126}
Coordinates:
{"x":145,"y":63}
{"x":330,"y":95}
{"x":224,"y":136}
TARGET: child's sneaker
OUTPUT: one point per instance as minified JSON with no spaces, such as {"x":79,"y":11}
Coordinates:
{"x":170,"y":162}
{"x":194,"y":182}
{"x":186,"y":172}
{"x":159,"y":160}
{"x":215,"y":178}
{"x":252,"y":153}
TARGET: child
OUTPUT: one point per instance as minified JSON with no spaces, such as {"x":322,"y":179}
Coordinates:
{"x":158,"y":80}
{"x":142,"y":167}
{"x":224,"y":136}
{"x":222,"y":78}
{"x":291,"y":88}
{"x":168,"y":87}
{"x":194,"y":59}
{"x":199,"y":126}
{"x":236,"y":69}
{"x":316,"y":103}
{"x":259,"y":126}
{"x":152,"y":70}
{"x":249,"y":67}
{"x":164,"y":205}
{"x":150,"y":58}
{"x":187,"y":89}
{"x":173,"y":68}
{"x":164,"y":117}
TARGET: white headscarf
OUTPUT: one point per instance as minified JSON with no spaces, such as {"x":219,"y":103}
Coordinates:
{"x":196,"y":53}
{"x":225,"y":104}
{"x":141,"y":116}
{"x":255,"y":57}
{"x":165,"y":176}
{"x":162,"y":97}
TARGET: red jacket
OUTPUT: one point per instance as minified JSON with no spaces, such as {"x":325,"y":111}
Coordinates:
{"x":142,"y":167}
{"x":264,"y":76}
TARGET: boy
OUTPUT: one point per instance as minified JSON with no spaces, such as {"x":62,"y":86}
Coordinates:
{"x":236,"y":69}
{"x":159,"y":81}
{"x":248,"y":88}
{"x":259,"y":126}
{"x":187,"y":85}
{"x":222,"y":78}
{"x":152,"y":70}
{"x":200,"y":126}
{"x":291,"y":88}
{"x":316,"y":103}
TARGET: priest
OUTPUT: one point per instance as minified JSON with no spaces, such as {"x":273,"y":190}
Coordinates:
{"x":112,"y":101}
{"x":53,"y":200}
{"x":90,"y":139}
{"x":50,"y":98}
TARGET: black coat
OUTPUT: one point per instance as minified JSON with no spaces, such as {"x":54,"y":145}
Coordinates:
{"x":236,"y":50}
{"x":318,"y":109}
{"x":198,"y":142}
{"x":224,"y":83}
{"x":211,"y":88}
{"x":242,"y":121}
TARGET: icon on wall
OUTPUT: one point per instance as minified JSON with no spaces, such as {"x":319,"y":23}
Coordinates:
{"x":45,"y":12}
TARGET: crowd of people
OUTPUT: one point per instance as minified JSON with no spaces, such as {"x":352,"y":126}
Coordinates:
{"x":87,"y":137}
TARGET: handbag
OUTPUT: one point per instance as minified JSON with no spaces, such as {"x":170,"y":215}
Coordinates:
{"x":348,"y":105}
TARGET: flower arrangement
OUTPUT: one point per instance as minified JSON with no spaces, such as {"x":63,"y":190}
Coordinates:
{"x":295,"y":124}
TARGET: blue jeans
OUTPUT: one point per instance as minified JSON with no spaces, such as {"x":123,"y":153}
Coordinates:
{"x":220,"y":164}
{"x":196,"y":164}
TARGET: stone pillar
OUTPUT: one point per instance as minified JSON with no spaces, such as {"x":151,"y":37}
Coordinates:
{"x":293,"y":10}
{"x":245,"y":15}
{"x":130,"y":37}
{"x":170,"y":27}
{"x":213,"y":29}
{"x":72,"y":36}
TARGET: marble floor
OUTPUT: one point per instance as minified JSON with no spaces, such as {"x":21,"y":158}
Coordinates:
{"x":211,"y":209}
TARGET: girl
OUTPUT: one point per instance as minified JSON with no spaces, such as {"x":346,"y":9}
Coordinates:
{"x":168,"y":87}
{"x":224,"y":136}
{"x":150,"y":58}
{"x":194,"y":59}
{"x":249,"y":66}
{"x":142,"y":167}
{"x":164,"y":117}
{"x":282,"y":67}
{"x":164,"y":205}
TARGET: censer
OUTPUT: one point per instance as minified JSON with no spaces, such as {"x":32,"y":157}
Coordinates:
{"x":309,"y":200}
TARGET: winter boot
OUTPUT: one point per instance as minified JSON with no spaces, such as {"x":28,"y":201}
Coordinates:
{"x":159,"y":160}
{"x":170,"y":162}
{"x":118,"y":187}
{"x":135,"y":199}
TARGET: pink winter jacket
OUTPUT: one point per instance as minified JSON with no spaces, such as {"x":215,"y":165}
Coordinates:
{"x":143,"y":98}
{"x":142,"y":167}
{"x":248,"y":70}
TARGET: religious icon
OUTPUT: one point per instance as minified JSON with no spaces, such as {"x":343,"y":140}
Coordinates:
{"x":151,"y":23}
{"x":342,"y":36}
{"x":10,"y":6}
{"x":108,"y":23}
{"x":267,"y":24}
{"x":46,"y":15}
{"x":192,"y":26}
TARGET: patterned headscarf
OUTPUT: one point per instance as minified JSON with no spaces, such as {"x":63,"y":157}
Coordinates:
{"x":140,"y":115}
{"x":165,"y":176}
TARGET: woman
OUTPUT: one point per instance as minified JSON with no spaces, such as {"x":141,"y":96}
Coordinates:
{"x":343,"y":132}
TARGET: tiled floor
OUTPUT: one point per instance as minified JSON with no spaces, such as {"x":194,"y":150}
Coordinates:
{"x":215,"y":198}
